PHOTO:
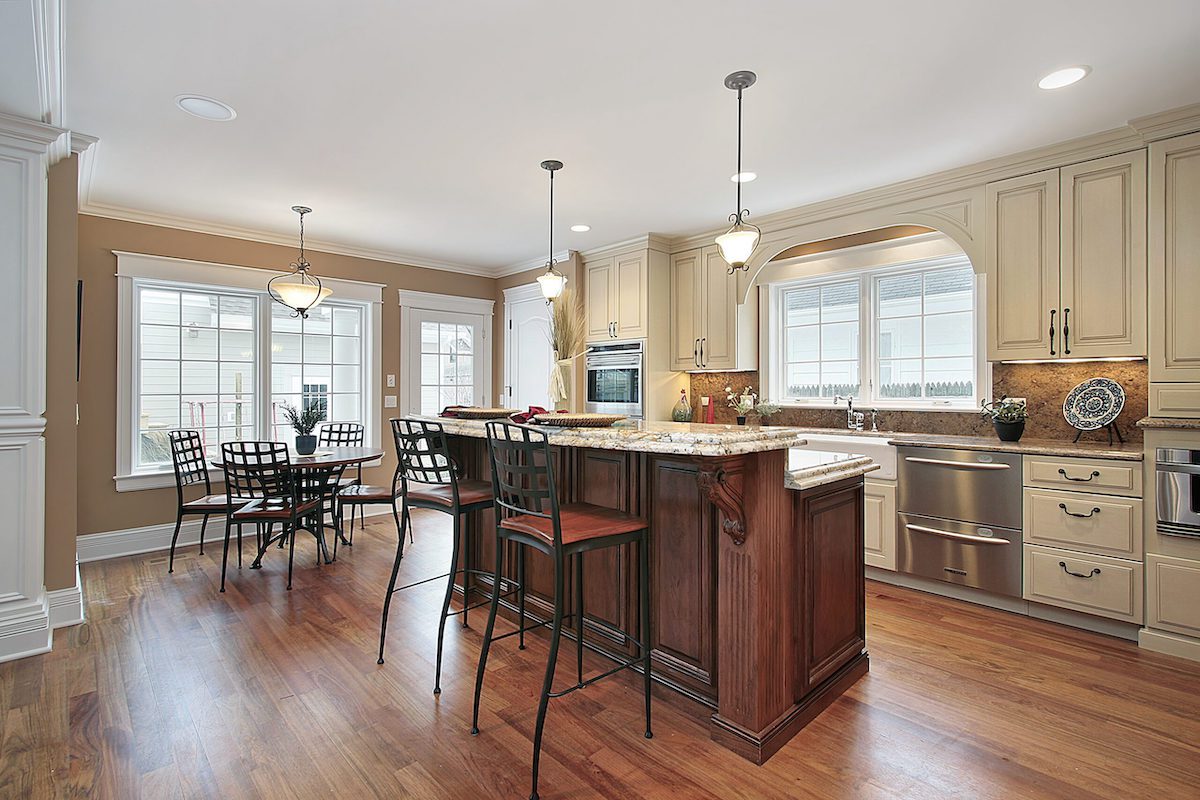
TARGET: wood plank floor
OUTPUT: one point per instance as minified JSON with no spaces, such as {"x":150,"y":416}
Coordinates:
{"x":173,"y":690}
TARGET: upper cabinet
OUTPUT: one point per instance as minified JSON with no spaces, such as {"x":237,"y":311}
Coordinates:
{"x":617,"y":297}
{"x":1066,"y":262}
{"x":704,"y":311}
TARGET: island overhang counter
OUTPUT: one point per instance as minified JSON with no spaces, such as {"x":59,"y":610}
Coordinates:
{"x":756,"y":564}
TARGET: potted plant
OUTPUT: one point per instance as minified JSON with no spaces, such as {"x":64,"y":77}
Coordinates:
{"x":1008,"y":418}
{"x":765,"y":410}
{"x":304,"y":422}
{"x":743,"y":404}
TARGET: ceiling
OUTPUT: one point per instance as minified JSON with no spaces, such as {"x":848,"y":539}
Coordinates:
{"x":416,"y":129}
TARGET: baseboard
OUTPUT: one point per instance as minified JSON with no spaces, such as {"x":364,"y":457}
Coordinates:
{"x":147,"y":539}
{"x":25,"y":628}
{"x":66,"y":605}
{"x":1170,"y":643}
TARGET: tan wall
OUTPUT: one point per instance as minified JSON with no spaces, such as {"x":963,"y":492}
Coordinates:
{"x":61,"y":281}
{"x":101,"y":507}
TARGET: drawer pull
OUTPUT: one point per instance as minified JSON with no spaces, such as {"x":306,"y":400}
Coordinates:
{"x":1091,"y":513}
{"x":1095,"y":474}
{"x":962,"y":464}
{"x":965,"y":537}
{"x":1091,"y":574}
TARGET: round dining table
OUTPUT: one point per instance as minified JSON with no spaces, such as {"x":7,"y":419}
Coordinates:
{"x":324,"y":458}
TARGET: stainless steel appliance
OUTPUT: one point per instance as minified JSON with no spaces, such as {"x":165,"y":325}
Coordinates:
{"x":614,"y":378}
{"x":959,"y":517}
{"x":1177,"y":491}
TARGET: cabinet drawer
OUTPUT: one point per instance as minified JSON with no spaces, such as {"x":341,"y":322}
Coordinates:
{"x":1084,"y":475}
{"x":1106,"y":587}
{"x":1096,"y":523}
{"x":1175,"y":399}
{"x":1173,"y":594}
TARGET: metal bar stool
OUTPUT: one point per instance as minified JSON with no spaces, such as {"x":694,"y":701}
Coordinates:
{"x":191,"y":469}
{"x":528,"y":513}
{"x":429,"y":478}
{"x":345,"y":434}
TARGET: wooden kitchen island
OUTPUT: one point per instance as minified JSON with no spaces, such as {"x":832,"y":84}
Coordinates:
{"x":756,"y":560}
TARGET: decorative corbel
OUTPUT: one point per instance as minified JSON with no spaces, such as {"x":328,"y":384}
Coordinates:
{"x":721,"y":483}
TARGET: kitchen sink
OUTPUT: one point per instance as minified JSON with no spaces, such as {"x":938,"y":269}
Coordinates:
{"x":874,"y":446}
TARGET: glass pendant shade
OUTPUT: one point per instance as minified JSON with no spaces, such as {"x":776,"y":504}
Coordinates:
{"x":737,"y":244}
{"x":552,"y":282}
{"x":299,"y":293}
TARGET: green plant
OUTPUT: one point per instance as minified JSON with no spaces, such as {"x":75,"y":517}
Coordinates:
{"x":566,"y":325}
{"x":304,"y":422}
{"x":1004,"y":410}
{"x":766,"y":409}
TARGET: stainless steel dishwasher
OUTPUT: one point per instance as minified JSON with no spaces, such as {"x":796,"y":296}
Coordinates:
{"x":959,"y":517}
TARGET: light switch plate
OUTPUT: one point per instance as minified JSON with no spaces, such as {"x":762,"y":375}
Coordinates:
{"x":389,"y":401}
{"x":391,"y":381}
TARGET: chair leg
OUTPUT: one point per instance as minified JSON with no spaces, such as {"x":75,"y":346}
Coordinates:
{"x":203,"y":528}
{"x":175,"y":538}
{"x":548,"y":683}
{"x":225,"y":554}
{"x":387,"y":600}
{"x":338,"y":510}
{"x":487,"y":636}
{"x":520,"y":594}
{"x":468,"y":566}
{"x":644,"y":604}
{"x":579,"y":618}
{"x":239,"y":538}
{"x":408,"y":522}
{"x":292,"y":549}
{"x":437,"y":679}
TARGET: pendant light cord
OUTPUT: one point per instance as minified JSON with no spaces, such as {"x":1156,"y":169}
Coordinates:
{"x":550,"y":260}
{"x":739,"y":158}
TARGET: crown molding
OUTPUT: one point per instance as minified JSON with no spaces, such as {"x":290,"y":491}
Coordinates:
{"x":30,"y":132}
{"x":48,"y":53}
{"x":531,"y":263}
{"x":1165,"y":124}
{"x":647,"y":241}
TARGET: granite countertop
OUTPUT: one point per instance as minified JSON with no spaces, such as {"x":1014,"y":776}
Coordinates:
{"x":1034,"y":447}
{"x":669,"y":438}
{"x":1179,"y":423}
{"x":809,"y":468}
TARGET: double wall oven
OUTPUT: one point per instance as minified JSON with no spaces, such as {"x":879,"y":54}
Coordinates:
{"x":614,"y":378}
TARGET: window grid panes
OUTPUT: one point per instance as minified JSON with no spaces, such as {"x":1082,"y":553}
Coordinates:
{"x":317,"y":363}
{"x":821,"y":340}
{"x":447,"y":366}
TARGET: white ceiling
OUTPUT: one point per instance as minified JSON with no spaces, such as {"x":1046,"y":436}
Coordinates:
{"x":417,"y":128}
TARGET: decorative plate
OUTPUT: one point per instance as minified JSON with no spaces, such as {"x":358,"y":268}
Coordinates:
{"x":579,"y":420}
{"x":484,"y":413}
{"x":1094,"y":403}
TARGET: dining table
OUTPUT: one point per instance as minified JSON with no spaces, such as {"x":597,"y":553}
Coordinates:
{"x":323,"y":459}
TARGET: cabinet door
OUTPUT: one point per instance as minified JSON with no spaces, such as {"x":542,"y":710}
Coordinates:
{"x":718,"y":308}
{"x":598,"y":291}
{"x":1173,"y":594}
{"x":685,"y":305}
{"x":1175,"y":259}
{"x":1103,"y":264}
{"x":879,"y":524}
{"x":1022,"y":255}
{"x":629,"y":296}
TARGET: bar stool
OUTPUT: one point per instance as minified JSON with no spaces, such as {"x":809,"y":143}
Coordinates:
{"x":429,"y":478}
{"x":528,"y":513}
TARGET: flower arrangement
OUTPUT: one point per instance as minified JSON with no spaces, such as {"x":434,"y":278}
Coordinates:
{"x":744,"y":403}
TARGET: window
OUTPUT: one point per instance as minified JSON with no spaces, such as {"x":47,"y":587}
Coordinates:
{"x":317,"y":363}
{"x":901,"y":336}
{"x":447,"y":365}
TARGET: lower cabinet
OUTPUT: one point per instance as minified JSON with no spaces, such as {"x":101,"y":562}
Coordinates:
{"x":1092,"y":584}
{"x":1173,"y":594}
{"x":879,"y":523}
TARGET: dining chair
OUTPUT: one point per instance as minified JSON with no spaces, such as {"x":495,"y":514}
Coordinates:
{"x":278,"y":494}
{"x":191,"y":469}
{"x":345,"y":434}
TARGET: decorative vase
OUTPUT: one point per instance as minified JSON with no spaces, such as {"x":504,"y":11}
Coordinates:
{"x":306,"y":445}
{"x":741,"y":420}
{"x":566,"y":372}
{"x":1009,"y":431}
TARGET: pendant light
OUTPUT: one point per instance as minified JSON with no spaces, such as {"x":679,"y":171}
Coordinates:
{"x":552,"y":281}
{"x":299,"y":290}
{"x":737,"y":244}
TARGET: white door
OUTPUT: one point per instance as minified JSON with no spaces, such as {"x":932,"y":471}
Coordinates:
{"x":446,"y":360}
{"x":528,"y":357}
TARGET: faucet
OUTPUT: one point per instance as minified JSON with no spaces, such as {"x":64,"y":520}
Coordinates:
{"x":854,"y":419}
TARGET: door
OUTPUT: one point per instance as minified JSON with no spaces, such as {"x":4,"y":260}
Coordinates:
{"x":718,"y":342}
{"x":630,"y":307}
{"x":447,"y":361}
{"x":528,"y":357}
{"x":1174,"y":256}
{"x":1022,"y":253}
{"x":1103,"y":264}
{"x":598,"y":290}
{"x":685,"y":303}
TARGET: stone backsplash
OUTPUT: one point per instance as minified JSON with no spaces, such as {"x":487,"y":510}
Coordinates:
{"x":1043,"y":385}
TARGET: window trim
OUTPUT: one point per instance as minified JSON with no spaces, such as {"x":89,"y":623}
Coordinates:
{"x":773,"y":364}
{"x":138,"y":269}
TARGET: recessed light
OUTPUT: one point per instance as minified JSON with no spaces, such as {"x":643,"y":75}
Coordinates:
{"x":205,"y":107}
{"x":743,"y":177}
{"x":581,"y":228}
{"x":1064,"y":77}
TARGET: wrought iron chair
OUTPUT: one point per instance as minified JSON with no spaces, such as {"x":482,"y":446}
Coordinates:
{"x":528,"y":513}
{"x":262,"y":471}
{"x":345,"y":434}
{"x":429,"y":479}
{"x":191,"y":469}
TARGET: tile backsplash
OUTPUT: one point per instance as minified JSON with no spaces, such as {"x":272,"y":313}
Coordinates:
{"x":1044,"y":386}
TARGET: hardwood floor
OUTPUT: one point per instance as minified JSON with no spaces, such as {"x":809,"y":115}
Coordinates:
{"x":173,"y":690}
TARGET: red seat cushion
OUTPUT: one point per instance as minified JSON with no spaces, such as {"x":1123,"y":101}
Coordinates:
{"x":579,"y":522}
{"x":272,"y":508}
{"x":215,"y":502}
{"x":470,"y":491}
{"x":365,"y":493}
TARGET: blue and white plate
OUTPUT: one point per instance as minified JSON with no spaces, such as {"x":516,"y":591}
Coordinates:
{"x":1094,"y":403}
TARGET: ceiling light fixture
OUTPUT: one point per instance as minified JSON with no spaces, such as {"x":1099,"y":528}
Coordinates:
{"x":299,"y":290}
{"x":552,"y":281}
{"x":581,"y":228}
{"x":737,"y":244}
{"x":1064,"y":77}
{"x":205,"y":107}
{"x":743,"y":177}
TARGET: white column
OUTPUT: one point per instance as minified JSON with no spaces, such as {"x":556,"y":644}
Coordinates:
{"x":26,"y":149}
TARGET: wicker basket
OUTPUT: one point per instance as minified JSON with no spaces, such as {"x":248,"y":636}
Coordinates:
{"x":484,"y":413}
{"x":579,"y":420}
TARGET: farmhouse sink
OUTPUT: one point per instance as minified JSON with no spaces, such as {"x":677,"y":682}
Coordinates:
{"x":875,"y":446}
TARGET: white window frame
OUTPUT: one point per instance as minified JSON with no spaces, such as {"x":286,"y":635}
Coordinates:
{"x":410,"y":343}
{"x":135,"y":270}
{"x":868,"y":368}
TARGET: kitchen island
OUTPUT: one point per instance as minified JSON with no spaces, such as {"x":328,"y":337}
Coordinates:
{"x":756,"y":560}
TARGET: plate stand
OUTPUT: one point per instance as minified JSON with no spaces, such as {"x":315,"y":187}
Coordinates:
{"x":1112,"y":429}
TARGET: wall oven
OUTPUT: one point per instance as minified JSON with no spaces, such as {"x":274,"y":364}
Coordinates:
{"x":614,"y":378}
{"x":1177,"y":491}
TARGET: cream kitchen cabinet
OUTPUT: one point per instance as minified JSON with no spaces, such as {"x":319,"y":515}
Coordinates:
{"x":1066,"y":261}
{"x":704,"y":311}
{"x":616,"y":289}
{"x":879,"y":523}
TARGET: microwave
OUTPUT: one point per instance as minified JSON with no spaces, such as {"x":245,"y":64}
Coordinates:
{"x":614,"y":378}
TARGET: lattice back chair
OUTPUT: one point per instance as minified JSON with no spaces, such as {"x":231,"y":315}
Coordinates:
{"x":191,"y":469}
{"x":430,"y":479}
{"x":345,"y":434}
{"x":529,"y":513}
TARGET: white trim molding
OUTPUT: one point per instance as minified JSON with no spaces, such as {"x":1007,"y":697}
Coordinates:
{"x":451,"y":304}
{"x":412,"y":304}
{"x":66,"y":605}
{"x":523,"y":293}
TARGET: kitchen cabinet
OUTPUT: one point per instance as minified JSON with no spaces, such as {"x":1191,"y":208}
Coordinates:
{"x":1066,"y":261}
{"x":617,"y":296}
{"x":1173,"y":594}
{"x":704,"y":311}
{"x":1174,"y":215}
{"x":879,"y":523}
